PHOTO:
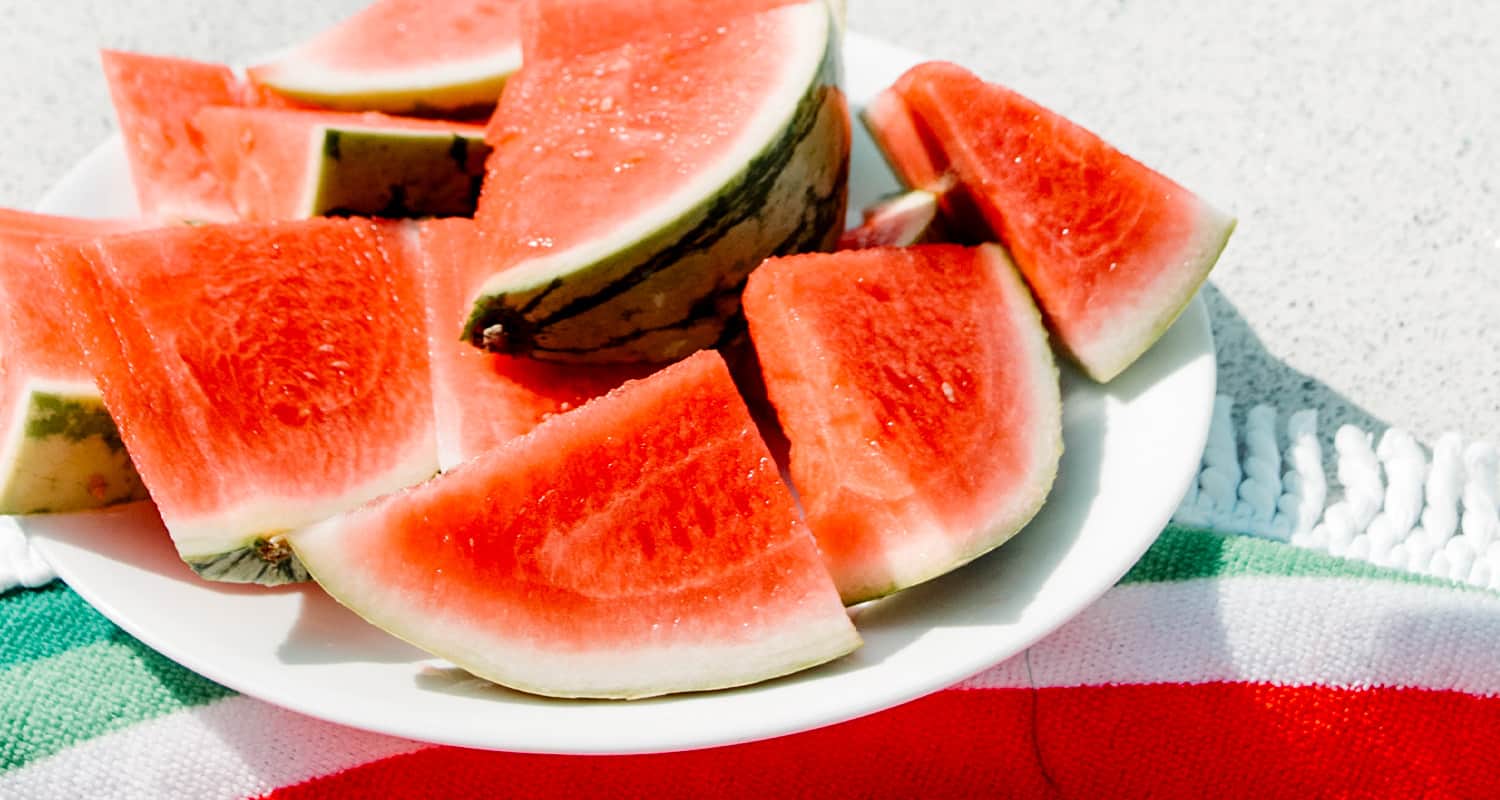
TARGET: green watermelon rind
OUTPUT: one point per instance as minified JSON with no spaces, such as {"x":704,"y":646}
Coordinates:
{"x":394,"y":172}
{"x":64,"y":454}
{"x":583,"y":312}
{"x":1011,"y":520}
{"x":317,"y":547}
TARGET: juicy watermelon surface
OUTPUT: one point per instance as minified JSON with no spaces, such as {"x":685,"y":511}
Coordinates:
{"x":639,"y":545}
{"x":485,"y":399}
{"x":263,"y":376}
{"x":920,"y":399}
{"x":1112,"y":249}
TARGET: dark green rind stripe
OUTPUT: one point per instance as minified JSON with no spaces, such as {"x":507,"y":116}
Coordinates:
{"x":399,"y":174}
{"x":53,"y":703}
{"x":1183,"y":554}
{"x":268,"y":562}
{"x":605,"y":311}
{"x":41,"y":623}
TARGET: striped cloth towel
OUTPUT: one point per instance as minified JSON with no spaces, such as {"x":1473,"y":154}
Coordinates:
{"x":1223,"y":665}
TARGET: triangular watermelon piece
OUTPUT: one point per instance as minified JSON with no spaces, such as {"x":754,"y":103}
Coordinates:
{"x":921,"y":400}
{"x":156,"y":99}
{"x":1112,"y":249}
{"x":264,"y":377}
{"x":486,"y":399}
{"x":59,"y":449}
{"x":280,"y":164}
{"x":640,"y":545}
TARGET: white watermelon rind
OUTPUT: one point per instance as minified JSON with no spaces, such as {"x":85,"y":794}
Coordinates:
{"x":61,"y":452}
{"x":665,"y":283}
{"x":440,"y":88}
{"x":930,"y":550}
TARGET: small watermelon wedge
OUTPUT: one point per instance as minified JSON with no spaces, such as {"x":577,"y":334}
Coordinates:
{"x":264,"y":377}
{"x":405,"y":56}
{"x":901,"y":221}
{"x":59,"y":448}
{"x":155,"y":100}
{"x":640,"y":545}
{"x":292,"y":164}
{"x":921,"y":400}
{"x":485,"y":399}
{"x":1113,"y":250}
{"x":706,"y":145}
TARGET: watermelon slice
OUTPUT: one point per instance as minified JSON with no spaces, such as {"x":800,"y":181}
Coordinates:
{"x":59,"y":449}
{"x":264,"y":377}
{"x":704,"y":150}
{"x":155,"y":100}
{"x":640,"y":545}
{"x":901,"y":221}
{"x":280,"y":164}
{"x":1112,"y":249}
{"x":486,"y":399}
{"x":921,"y":401}
{"x":405,"y":56}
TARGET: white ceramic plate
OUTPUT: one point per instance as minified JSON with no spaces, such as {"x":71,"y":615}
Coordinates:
{"x":1132,"y":448}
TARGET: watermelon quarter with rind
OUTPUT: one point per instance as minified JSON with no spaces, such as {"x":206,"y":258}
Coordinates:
{"x":1112,"y":250}
{"x":263,"y":376}
{"x":921,"y":400}
{"x":640,"y":545}
{"x":691,"y":183}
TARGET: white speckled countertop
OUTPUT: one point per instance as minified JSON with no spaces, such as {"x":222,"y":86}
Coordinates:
{"x":1358,"y":142}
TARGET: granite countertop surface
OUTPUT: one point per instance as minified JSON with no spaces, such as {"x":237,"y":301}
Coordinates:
{"x":1358,"y":142}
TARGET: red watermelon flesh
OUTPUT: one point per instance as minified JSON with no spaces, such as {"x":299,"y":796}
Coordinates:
{"x":566,"y":28}
{"x":901,"y":221}
{"x":640,"y":545}
{"x":264,"y":377}
{"x":486,"y":399}
{"x":155,"y":100}
{"x":279,"y":164}
{"x":921,"y":401}
{"x":1112,"y":249}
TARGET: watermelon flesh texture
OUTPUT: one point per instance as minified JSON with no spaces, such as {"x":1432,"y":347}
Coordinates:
{"x":264,"y":377}
{"x":405,"y":56}
{"x":640,"y":545}
{"x":901,"y":221}
{"x":293,"y":164}
{"x":921,"y":400}
{"x":59,"y":448}
{"x":704,"y":152}
{"x":1113,"y":250}
{"x":482,"y":399}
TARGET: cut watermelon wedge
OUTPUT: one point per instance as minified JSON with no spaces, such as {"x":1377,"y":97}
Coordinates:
{"x":704,"y":150}
{"x":155,"y":100}
{"x":434,"y":56}
{"x":283,"y":165}
{"x":1112,"y":250}
{"x":641,"y":545}
{"x":264,"y":377}
{"x":486,"y":399}
{"x":59,"y":449}
{"x":921,"y":401}
{"x":901,"y":221}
